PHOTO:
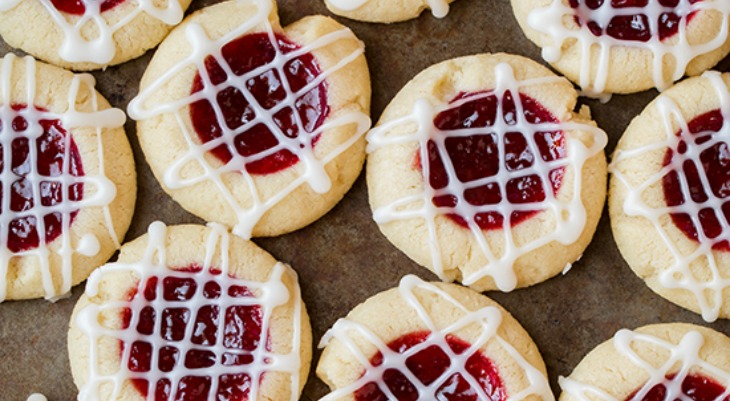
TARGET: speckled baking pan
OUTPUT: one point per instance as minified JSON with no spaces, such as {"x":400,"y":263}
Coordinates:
{"x":342,"y":259}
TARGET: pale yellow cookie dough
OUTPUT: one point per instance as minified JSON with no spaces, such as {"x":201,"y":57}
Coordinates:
{"x":387,"y":11}
{"x":638,"y":159}
{"x":185,"y":246}
{"x":391,"y":176}
{"x":389,"y":315}
{"x":629,"y":67}
{"x":348,"y":91}
{"x":31,"y":27}
{"x":619,"y":375}
{"x":52,"y":85}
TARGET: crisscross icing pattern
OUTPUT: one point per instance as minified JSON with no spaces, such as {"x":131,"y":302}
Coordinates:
{"x":312,"y":169}
{"x":679,"y":275}
{"x":439,"y":8}
{"x":683,"y":360}
{"x":264,"y":296}
{"x":100,"y":49}
{"x":568,"y":212}
{"x":678,"y":48}
{"x":487,"y":319}
{"x":98,"y":190}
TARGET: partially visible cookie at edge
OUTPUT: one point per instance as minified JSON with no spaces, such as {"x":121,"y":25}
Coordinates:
{"x":70,"y":198}
{"x":88,"y":35}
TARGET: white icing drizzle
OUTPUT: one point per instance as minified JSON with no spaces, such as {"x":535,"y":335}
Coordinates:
{"x":8,"y":4}
{"x":683,"y":359}
{"x":569,"y":214}
{"x":101,"y":48}
{"x":488,"y":319}
{"x":37,"y":397}
{"x":313,"y":169}
{"x":709,"y":294}
{"x":439,"y":8}
{"x":267,"y":295}
{"x":552,"y":20}
{"x":99,"y":191}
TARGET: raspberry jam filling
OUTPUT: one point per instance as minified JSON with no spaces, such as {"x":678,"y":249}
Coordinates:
{"x":715,"y":161}
{"x":694,"y":387}
{"x":47,"y":161}
{"x":77,"y":7}
{"x":428,"y":365}
{"x":192,"y":308}
{"x":476,"y":157}
{"x":285,"y":112}
{"x":624,"y":25}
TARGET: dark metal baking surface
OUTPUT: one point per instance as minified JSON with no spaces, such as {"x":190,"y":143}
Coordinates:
{"x":342,"y":259}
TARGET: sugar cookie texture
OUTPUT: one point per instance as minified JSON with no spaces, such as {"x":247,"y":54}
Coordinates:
{"x":266,"y":139}
{"x":387,"y":10}
{"x":669,"y":198}
{"x":192,"y":311}
{"x":431,"y":341}
{"x":68,"y":180}
{"x":480,"y":171}
{"x":627,"y":47}
{"x":87,"y":35}
{"x":674,"y":361}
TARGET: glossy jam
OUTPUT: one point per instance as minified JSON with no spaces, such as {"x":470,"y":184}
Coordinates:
{"x":50,"y":147}
{"x":241,"y":335}
{"x":77,"y":7}
{"x":633,"y":27}
{"x":695,"y":387}
{"x":715,"y":161}
{"x":477,"y":156}
{"x":429,"y":365}
{"x":268,"y":90}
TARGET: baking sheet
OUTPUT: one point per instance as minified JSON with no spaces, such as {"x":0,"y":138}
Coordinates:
{"x":567,"y":316}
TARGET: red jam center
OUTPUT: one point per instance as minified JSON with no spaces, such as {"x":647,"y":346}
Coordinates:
{"x":292,"y":113}
{"x":715,"y":160}
{"x":633,"y":27}
{"x":50,"y":157}
{"x":428,"y":365}
{"x":241,"y":335}
{"x":695,"y":387}
{"x":476,"y":157}
{"x":77,"y":7}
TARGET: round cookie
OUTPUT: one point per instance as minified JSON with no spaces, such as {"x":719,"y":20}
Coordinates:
{"x":431,"y":341}
{"x":656,"y":362}
{"x":69,"y":199}
{"x":87,"y":35}
{"x":484,"y":209}
{"x":150,"y":324}
{"x":670,"y":174}
{"x":387,"y":10}
{"x":627,"y":46}
{"x":235,"y":143}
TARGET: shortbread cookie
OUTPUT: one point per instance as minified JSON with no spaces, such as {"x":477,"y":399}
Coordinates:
{"x":68,"y":199}
{"x":480,"y":171}
{"x":87,"y":35}
{"x":671,"y":175}
{"x":151,"y":325}
{"x":387,"y":10}
{"x":673,"y":361}
{"x":612,"y":46}
{"x":234,"y":142}
{"x":431,"y":342}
